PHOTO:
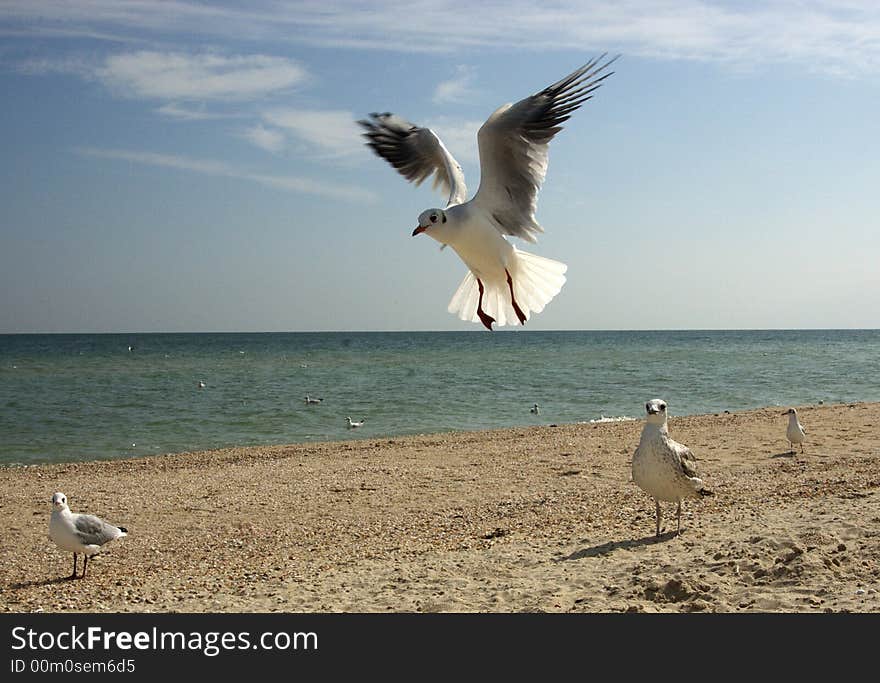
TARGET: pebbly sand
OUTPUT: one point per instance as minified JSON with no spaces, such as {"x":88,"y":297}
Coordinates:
{"x":531,"y":519}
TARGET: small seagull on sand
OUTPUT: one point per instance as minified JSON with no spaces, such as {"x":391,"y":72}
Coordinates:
{"x":503,"y":285}
{"x":79,"y":533}
{"x":352,"y":425}
{"x":310,"y":400}
{"x":663,"y":468}
{"x":535,"y":410}
{"x":795,"y":433}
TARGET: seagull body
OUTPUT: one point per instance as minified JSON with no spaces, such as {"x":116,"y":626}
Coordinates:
{"x":663,"y":468}
{"x":79,"y":533}
{"x":504,"y":285}
{"x":353,"y":425}
{"x":535,"y":409}
{"x":310,"y":400}
{"x":200,"y":384}
{"x":795,"y":432}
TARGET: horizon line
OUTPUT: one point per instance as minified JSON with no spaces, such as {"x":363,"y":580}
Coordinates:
{"x":515,"y":330}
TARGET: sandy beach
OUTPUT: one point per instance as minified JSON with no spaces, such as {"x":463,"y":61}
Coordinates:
{"x":532,"y":519}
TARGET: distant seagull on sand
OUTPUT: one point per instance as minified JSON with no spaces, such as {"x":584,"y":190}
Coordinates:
{"x":310,"y":400}
{"x":503,"y":284}
{"x":795,"y":433}
{"x":79,"y":533}
{"x":535,"y":410}
{"x":352,"y":425}
{"x":663,"y":468}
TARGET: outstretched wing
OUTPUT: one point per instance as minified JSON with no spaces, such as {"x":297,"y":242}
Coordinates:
{"x":513,"y":149}
{"x":416,"y":153}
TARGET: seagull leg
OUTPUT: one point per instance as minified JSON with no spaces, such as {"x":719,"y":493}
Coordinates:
{"x":73,"y":576}
{"x":678,"y":531}
{"x":516,"y":308}
{"x":659,"y":515}
{"x":85,"y":564}
{"x":487,"y":320}
{"x":802,"y":448}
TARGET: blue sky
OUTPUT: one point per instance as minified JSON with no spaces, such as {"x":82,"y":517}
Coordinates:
{"x":196,"y":166}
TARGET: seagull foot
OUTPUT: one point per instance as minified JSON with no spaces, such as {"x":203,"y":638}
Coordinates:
{"x":487,"y":320}
{"x":516,"y":308}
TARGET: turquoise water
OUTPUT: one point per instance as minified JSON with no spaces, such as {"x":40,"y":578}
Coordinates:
{"x":87,"y":396}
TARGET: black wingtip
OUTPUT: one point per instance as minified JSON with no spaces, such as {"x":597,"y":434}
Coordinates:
{"x":122,"y":529}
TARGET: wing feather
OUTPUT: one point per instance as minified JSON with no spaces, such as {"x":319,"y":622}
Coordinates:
{"x":513,"y":148}
{"x":416,"y":153}
{"x":92,"y":530}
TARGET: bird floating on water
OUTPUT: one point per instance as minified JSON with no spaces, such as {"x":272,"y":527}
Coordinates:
{"x":795,"y":432}
{"x":535,"y":409}
{"x":310,"y":400}
{"x":663,"y":468}
{"x":353,"y":425}
{"x":79,"y":533}
{"x":200,"y":384}
{"x":503,"y":284}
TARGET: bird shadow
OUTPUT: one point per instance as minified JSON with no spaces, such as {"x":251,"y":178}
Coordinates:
{"x":43,"y":582}
{"x":611,"y":546}
{"x":785,"y":454}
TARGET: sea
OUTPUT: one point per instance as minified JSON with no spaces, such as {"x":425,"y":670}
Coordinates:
{"x":73,"y":397}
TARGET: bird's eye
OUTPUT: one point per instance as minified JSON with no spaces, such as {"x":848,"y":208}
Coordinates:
{"x":433,"y":218}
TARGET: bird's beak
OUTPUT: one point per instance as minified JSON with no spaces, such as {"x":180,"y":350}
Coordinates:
{"x":419,"y":229}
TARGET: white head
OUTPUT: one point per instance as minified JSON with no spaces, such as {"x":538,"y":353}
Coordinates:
{"x":59,"y":501}
{"x":431,"y":222}
{"x":656,"y":410}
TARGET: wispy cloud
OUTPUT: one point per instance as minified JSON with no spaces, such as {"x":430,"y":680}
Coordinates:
{"x":456,"y":89}
{"x":832,"y":36}
{"x":332,"y":133}
{"x":176,"y":111}
{"x":181,"y":76}
{"x":265,"y":138}
{"x":223,"y":169}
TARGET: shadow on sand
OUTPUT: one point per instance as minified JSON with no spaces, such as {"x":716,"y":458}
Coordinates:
{"x":43,"y":582}
{"x":611,"y":546}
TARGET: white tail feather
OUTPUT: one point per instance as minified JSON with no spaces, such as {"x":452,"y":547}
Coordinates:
{"x":536,"y":280}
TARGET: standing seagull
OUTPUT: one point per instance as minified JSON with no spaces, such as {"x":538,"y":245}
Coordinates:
{"x":79,"y":533}
{"x":663,"y":468}
{"x":795,"y":433}
{"x":503,"y":284}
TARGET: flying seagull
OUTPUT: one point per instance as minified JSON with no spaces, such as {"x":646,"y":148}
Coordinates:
{"x":79,"y":533}
{"x":795,"y":432}
{"x":663,"y":468}
{"x":503,"y":284}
